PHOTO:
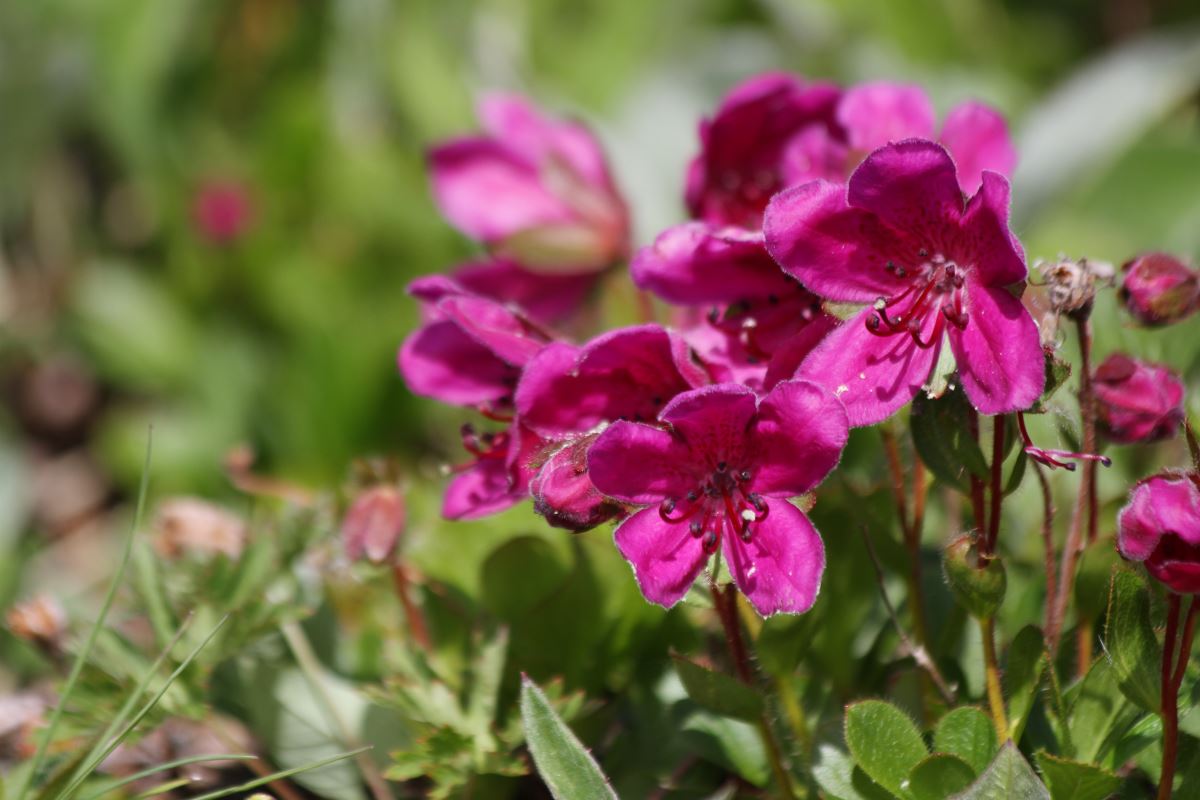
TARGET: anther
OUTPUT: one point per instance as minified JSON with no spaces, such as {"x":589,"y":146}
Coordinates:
{"x":696,"y":529}
{"x":744,"y":475}
{"x":692,"y":496}
{"x":721,"y":466}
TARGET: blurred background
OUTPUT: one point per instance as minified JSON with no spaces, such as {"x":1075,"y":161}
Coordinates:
{"x":209,"y":211}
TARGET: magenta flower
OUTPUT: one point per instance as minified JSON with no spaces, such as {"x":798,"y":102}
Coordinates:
{"x":534,"y":190}
{"x":567,"y":394}
{"x":900,"y":237}
{"x":470,"y":350}
{"x":1137,"y":401}
{"x":758,"y":316}
{"x":1160,"y":526}
{"x":542,"y":298}
{"x":714,"y":474}
{"x":1159,"y":289}
{"x":497,"y":475}
{"x":769,"y":132}
{"x":876,"y":114}
{"x":221,"y":211}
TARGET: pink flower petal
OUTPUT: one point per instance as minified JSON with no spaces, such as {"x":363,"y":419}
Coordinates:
{"x":713,"y":421}
{"x":977,"y":136}
{"x":471,"y":175}
{"x":995,"y":256}
{"x":780,"y":568}
{"x":1159,"y":506}
{"x":911,"y":186}
{"x":439,"y":360}
{"x":836,"y":251}
{"x":797,"y":438}
{"x":873,"y":376}
{"x":665,"y":557}
{"x":640,"y":464}
{"x":544,"y":297}
{"x":517,"y":123}
{"x":482,"y":490}
{"x":999,"y":354}
{"x":495,"y":327}
{"x":697,"y":263}
{"x":875,"y":114}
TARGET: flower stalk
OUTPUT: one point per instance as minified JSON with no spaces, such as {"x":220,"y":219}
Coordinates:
{"x":1173,"y":671}
{"x":991,"y":666}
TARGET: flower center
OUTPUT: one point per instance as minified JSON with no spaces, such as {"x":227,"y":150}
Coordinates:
{"x":937,"y":288}
{"x":721,"y":502}
{"x":760,"y":324}
{"x":482,"y":446}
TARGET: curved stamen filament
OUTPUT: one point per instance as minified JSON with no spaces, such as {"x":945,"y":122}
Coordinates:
{"x":1051,"y":458}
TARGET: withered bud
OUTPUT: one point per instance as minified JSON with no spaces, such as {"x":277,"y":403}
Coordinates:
{"x":1072,"y":284}
{"x":373,"y":524}
{"x":40,"y":620}
{"x":1159,"y":289}
{"x":190,"y":526}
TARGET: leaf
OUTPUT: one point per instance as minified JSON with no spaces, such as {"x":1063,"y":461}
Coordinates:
{"x":969,"y":734}
{"x":1132,"y":647}
{"x":939,"y":776}
{"x":1008,"y":778}
{"x":1098,"y":714}
{"x":1027,"y":661}
{"x":1071,"y":780}
{"x":943,"y":440}
{"x":568,"y":769}
{"x":1093,"y":577}
{"x":836,"y":773}
{"x":1058,"y":371}
{"x":718,"y":692}
{"x":1017,"y":474}
{"x":884,"y":742}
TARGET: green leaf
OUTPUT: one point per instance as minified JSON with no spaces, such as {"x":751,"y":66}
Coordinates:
{"x":568,"y":770}
{"x":718,"y":692}
{"x":1099,"y":714}
{"x":1132,"y":647}
{"x":943,"y":440}
{"x":1027,"y":661}
{"x":884,"y":742}
{"x":1008,"y":778}
{"x":1071,"y":780}
{"x":837,"y":775}
{"x":939,"y":776}
{"x":969,"y":734}
{"x":1017,"y":474}
{"x":1058,"y":371}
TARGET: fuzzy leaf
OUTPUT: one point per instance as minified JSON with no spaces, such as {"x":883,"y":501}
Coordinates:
{"x":1071,"y":780}
{"x":1008,"y":778}
{"x":1132,"y":646}
{"x":567,"y":768}
{"x":884,"y":742}
{"x":939,"y":776}
{"x":969,"y":734}
{"x":1027,"y":661}
{"x":1099,"y":714}
{"x":718,"y":692}
{"x":840,"y":779}
{"x":942,"y":439}
{"x":1058,"y":370}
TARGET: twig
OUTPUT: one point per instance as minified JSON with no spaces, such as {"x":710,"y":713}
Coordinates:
{"x":919,"y":654}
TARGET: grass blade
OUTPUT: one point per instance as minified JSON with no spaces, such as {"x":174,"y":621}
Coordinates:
{"x":285,"y":773}
{"x":81,"y":657}
{"x":181,"y":762}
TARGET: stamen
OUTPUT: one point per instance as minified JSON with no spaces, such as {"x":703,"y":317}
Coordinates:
{"x":1051,"y":458}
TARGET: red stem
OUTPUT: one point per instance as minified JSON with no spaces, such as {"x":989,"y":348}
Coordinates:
{"x":997,"y":475}
{"x":416,"y":620}
{"x":1048,"y":540}
{"x":977,"y":504}
{"x":1170,"y":699}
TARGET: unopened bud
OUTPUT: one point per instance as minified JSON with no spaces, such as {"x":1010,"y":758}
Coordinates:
{"x":373,"y":524}
{"x":1159,"y":289}
{"x":563,"y":492}
{"x":978,"y":584}
{"x":1137,"y":401}
{"x":1073,"y":283}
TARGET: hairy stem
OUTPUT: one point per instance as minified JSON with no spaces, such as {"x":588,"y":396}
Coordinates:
{"x":991,"y":668}
{"x":997,"y":489}
{"x":977,"y":504}
{"x":725,"y":602}
{"x":1085,"y":500}
{"x":910,"y":528}
{"x":1170,"y":699}
{"x":1047,"y":539}
{"x":412,"y":614}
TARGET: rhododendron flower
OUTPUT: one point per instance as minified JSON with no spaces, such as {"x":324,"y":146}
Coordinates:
{"x":1137,"y":401}
{"x":470,"y":350}
{"x":900,"y":237}
{"x":1159,"y":289}
{"x":568,"y":393}
{"x":714,"y":474}
{"x":373,"y":524}
{"x":1160,"y":526}
{"x":536,"y":191}
{"x":879,"y":113}
{"x":755,"y":310}
{"x":769,"y":132}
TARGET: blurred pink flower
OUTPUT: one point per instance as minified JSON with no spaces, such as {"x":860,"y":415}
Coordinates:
{"x":373,"y":524}
{"x":222,"y":211}
{"x":1160,"y":526}
{"x":1137,"y":401}
{"x":1160,"y":289}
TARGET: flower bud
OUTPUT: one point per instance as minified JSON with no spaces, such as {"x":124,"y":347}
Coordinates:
{"x":373,"y":524}
{"x":563,"y":493}
{"x":1159,"y":289}
{"x":1160,"y":526}
{"x":221,"y":211}
{"x":977,"y":588}
{"x":1137,"y":401}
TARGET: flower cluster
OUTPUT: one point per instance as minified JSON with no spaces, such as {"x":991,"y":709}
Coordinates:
{"x":804,"y":197}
